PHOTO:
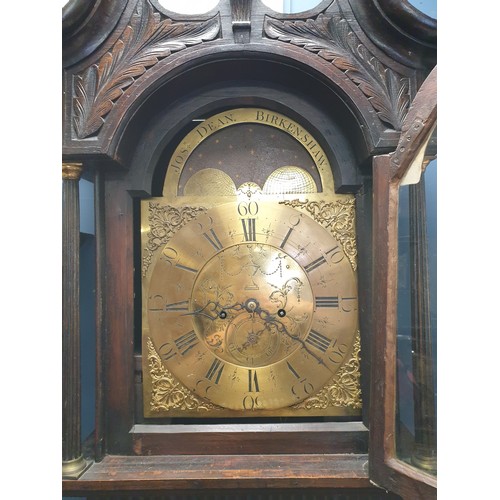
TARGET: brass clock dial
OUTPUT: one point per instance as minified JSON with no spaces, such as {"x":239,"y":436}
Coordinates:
{"x":249,"y":287}
{"x":252,"y":306}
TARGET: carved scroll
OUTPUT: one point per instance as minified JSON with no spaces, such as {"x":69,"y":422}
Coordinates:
{"x":330,"y":37}
{"x":145,"y":41}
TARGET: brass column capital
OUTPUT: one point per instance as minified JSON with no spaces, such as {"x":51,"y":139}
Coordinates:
{"x":72,"y":171}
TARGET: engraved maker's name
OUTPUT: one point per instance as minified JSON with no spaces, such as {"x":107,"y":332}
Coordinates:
{"x":201,"y":132}
{"x":294,"y":130}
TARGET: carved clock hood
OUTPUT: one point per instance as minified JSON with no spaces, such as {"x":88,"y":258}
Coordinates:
{"x":148,"y":51}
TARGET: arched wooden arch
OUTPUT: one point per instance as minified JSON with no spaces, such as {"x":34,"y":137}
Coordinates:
{"x":149,"y":54}
{"x":152,"y":137}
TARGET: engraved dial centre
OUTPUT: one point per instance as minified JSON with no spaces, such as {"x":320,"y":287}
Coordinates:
{"x":252,"y":304}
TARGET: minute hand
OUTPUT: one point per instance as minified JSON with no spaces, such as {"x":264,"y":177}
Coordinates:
{"x":273,"y":320}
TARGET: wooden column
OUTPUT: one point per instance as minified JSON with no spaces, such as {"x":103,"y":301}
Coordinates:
{"x":424,"y":455}
{"x":73,"y":463}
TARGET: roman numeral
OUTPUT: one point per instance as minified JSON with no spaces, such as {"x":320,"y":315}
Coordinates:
{"x":327,"y":302}
{"x":215,"y":370}
{"x":253,"y":383}
{"x":315,"y":264}
{"x":213,"y":240}
{"x":294,"y":373}
{"x":186,"y":268}
{"x":283,"y":243}
{"x":321,"y":260}
{"x":318,"y":340}
{"x":186,"y":342}
{"x":249,"y":229}
{"x":177,"y":306}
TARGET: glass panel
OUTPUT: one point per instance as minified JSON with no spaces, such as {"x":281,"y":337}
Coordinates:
{"x":291,"y":6}
{"x":188,"y":6}
{"x":87,"y":307}
{"x":428,"y":7}
{"x":416,"y":329}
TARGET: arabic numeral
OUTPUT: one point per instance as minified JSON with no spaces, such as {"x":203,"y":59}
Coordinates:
{"x":248,"y":208}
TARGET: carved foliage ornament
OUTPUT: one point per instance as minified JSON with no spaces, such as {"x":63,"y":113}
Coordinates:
{"x":330,"y":37}
{"x":145,"y":41}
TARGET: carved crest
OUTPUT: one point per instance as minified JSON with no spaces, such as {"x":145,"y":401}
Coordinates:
{"x":145,"y":41}
{"x":330,"y":37}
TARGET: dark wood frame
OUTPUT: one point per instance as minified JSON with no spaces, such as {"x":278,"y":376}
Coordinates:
{"x":385,"y":468}
{"x":110,"y":151}
{"x":300,"y":455}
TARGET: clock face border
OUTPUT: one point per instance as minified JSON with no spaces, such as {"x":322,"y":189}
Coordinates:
{"x":309,"y":355}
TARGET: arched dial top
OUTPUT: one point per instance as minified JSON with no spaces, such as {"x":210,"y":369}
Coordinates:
{"x":253,"y":306}
{"x":235,"y":146}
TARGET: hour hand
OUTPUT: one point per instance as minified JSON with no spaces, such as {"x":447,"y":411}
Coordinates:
{"x":275,"y":320}
{"x":207,"y":311}
{"x":213,"y":310}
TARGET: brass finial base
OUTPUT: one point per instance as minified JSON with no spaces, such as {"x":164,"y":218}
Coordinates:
{"x":73,"y":469}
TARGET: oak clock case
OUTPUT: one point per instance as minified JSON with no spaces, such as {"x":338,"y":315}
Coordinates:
{"x":249,"y":285}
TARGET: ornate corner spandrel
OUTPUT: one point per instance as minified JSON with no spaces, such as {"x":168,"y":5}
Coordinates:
{"x":167,"y":393}
{"x":164,"y":222}
{"x":344,"y":388}
{"x":145,"y":41}
{"x":338,"y":217}
{"x":331,"y":38}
